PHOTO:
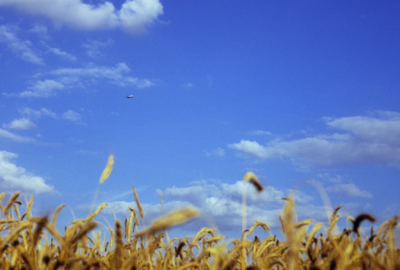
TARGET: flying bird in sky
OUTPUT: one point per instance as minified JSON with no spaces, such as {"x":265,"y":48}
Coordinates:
{"x":131,"y":96}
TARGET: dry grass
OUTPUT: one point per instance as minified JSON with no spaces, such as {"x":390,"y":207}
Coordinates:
{"x":29,"y":242}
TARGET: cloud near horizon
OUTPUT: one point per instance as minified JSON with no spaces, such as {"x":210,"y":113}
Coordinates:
{"x":134,"y":15}
{"x":221,"y":205}
{"x":372,"y":139}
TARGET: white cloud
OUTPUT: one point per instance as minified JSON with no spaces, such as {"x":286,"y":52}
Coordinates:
{"x":21,"y":124}
{"x":133,"y":16}
{"x":218,"y":152}
{"x":367,"y":140}
{"x":42,"y":89}
{"x":114,"y":74}
{"x":38,"y":113}
{"x":21,"y":48}
{"x":251,"y":148}
{"x":72,"y":116}
{"x":14,"y":137}
{"x":349,"y":190}
{"x":14,"y":178}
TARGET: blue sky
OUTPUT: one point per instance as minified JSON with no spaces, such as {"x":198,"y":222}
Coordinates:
{"x":298,"y":92}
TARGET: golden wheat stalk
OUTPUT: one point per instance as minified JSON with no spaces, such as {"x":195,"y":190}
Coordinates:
{"x":252,"y":178}
{"x":104,"y":176}
{"x":174,"y":218}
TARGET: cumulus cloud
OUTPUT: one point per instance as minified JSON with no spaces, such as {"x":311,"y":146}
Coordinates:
{"x":22,"y":49}
{"x":20,"y":124}
{"x":349,"y":190}
{"x":134,"y":15}
{"x":14,"y":137}
{"x":72,"y":116}
{"x":42,"y":89}
{"x":373,"y":139}
{"x":14,"y":178}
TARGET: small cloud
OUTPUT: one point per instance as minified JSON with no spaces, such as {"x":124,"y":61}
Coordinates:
{"x":41,"y":30}
{"x":14,"y":178}
{"x":20,"y":48}
{"x":72,"y":116}
{"x":260,"y":132}
{"x":219,"y":152}
{"x":333,"y":179}
{"x":37,"y":113}
{"x":115,"y":75}
{"x":14,"y":137}
{"x":93,"y":47}
{"x":20,"y":124}
{"x":61,"y":53}
{"x":251,"y":148}
{"x":198,"y":183}
{"x":42,"y":89}
{"x":187,"y":85}
{"x":349,"y":190}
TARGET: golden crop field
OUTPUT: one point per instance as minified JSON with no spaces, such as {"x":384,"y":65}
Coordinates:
{"x":30,"y":242}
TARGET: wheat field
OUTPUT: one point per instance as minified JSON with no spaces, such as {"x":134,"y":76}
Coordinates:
{"x":31,"y":242}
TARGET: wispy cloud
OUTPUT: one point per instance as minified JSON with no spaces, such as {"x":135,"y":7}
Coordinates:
{"x":40,"y":30}
{"x":43,"y":89}
{"x":373,"y":139}
{"x":187,"y":85}
{"x":115,"y":74}
{"x":20,"y":124}
{"x":14,"y":178}
{"x":134,"y":15}
{"x":68,"y":115}
{"x":260,"y":132}
{"x":350,"y":190}
{"x":93,"y":47}
{"x":72,"y":116}
{"x":37,"y":113}
{"x":14,"y":137}
{"x":22,"y":49}
{"x":218,"y":152}
{"x":60,"y":53}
